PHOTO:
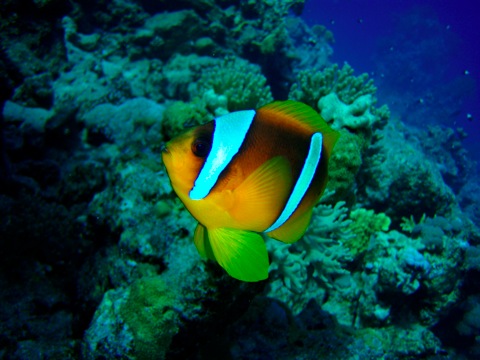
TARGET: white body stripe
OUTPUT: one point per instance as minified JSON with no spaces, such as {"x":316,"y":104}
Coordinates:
{"x":303,"y":182}
{"x":230,"y":131}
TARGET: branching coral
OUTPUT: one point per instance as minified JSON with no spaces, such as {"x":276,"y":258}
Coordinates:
{"x":364,"y":224}
{"x":241,"y":82}
{"x":408,"y":224}
{"x":392,"y":265}
{"x":311,"y":86}
{"x":342,"y":98}
{"x":308,"y":268}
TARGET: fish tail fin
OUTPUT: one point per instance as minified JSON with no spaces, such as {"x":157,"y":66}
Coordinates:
{"x":243,"y":254}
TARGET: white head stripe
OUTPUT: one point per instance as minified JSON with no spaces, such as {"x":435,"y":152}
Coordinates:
{"x":303,"y":182}
{"x":230,"y":131}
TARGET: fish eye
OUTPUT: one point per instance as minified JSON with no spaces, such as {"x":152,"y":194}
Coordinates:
{"x":201,"y":147}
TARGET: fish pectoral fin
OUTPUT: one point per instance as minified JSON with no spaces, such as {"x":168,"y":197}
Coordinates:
{"x":293,"y":229}
{"x":243,"y":254}
{"x":202,"y":243}
{"x":259,"y":198}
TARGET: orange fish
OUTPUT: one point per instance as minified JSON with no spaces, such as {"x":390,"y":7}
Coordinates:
{"x":251,"y":172}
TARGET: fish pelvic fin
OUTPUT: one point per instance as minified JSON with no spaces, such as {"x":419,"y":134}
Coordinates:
{"x":243,"y":254}
{"x":200,"y":239}
{"x":293,"y":229}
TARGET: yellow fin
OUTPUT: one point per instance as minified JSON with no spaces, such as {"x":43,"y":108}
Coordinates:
{"x":200,"y":239}
{"x":260,"y":198}
{"x":307,"y":116}
{"x":241,"y":253}
{"x":293,"y":229}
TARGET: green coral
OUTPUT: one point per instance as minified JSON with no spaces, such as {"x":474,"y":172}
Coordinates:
{"x":148,"y":313}
{"x":344,"y":164}
{"x":137,"y":322}
{"x":311,"y":86}
{"x":364,"y":224}
{"x":241,"y":82}
{"x":179,"y":115}
{"x":408,"y":224}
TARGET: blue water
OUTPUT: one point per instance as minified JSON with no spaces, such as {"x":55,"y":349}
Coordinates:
{"x":370,"y":34}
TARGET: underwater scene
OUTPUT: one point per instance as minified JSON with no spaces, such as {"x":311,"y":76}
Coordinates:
{"x":239,"y":179}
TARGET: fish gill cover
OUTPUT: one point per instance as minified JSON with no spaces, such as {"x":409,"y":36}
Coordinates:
{"x":97,"y":256}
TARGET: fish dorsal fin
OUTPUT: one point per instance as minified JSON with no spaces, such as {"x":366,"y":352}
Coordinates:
{"x":228,"y":136}
{"x":307,"y":117}
{"x":200,"y":239}
{"x":293,"y":229}
{"x":243,"y":254}
{"x":258,"y":198}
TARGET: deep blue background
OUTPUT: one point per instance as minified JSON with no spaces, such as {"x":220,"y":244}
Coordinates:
{"x":362,"y":28}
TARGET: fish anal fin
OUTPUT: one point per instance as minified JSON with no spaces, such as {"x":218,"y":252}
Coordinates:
{"x":259,"y":199}
{"x":243,"y":254}
{"x":293,"y":229}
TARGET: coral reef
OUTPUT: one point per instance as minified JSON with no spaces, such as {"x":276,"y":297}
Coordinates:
{"x":311,"y":87}
{"x":97,"y":252}
{"x":344,"y":165}
{"x":308,"y":269}
{"x":347,"y":103}
{"x":241,"y":83}
{"x":136,"y":323}
{"x":400,"y":174}
{"x":364,"y":224}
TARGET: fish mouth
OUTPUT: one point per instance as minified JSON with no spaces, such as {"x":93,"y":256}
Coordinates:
{"x":164,"y":148}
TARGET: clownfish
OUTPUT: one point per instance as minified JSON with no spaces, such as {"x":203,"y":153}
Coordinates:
{"x":251,"y":172}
